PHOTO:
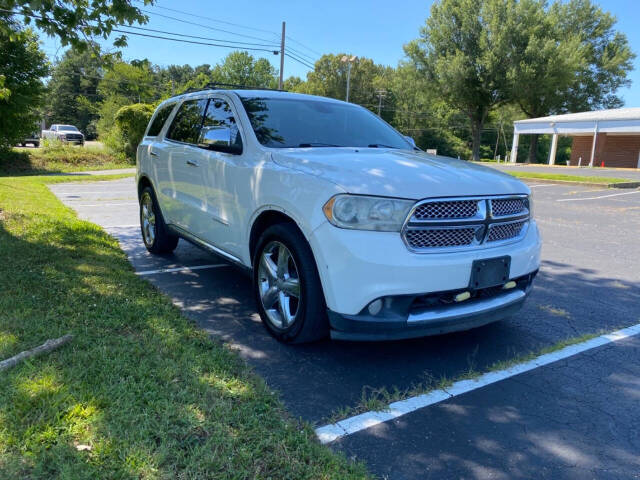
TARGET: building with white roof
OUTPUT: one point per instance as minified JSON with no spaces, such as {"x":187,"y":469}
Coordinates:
{"x":604,"y":137}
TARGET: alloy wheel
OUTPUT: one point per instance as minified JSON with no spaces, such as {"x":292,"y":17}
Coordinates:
{"x":279,"y":285}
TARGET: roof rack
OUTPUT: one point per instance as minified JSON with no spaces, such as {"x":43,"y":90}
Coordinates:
{"x":216,"y":85}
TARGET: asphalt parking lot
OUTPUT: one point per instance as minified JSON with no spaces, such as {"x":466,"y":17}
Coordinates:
{"x":576,"y":418}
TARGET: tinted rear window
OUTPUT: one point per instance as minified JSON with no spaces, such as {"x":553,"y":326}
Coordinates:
{"x":159,"y":119}
{"x":188,"y":121}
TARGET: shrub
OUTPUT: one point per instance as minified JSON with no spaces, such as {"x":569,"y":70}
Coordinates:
{"x":132,"y":121}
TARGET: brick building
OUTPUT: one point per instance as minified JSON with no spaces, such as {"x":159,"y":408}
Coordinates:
{"x":611,"y":137}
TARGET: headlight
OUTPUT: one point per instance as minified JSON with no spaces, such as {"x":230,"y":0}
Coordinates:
{"x":367,"y":213}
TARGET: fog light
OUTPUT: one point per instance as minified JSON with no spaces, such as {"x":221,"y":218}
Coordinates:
{"x":509,"y":285}
{"x":375,"y":307}
{"x":461,"y":297}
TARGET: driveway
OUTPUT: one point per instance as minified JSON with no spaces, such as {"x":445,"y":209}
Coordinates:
{"x":576,"y":418}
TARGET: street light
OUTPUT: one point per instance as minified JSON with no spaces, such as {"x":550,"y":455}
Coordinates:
{"x":349,"y":61}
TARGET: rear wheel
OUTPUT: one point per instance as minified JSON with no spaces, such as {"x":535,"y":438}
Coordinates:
{"x":287,"y":287}
{"x":155,"y":234}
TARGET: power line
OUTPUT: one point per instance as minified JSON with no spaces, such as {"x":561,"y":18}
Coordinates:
{"x":205,"y":26}
{"x":194,"y":36}
{"x":275,"y":52}
{"x":213,"y":19}
{"x":303,"y":45}
{"x":293,"y":57}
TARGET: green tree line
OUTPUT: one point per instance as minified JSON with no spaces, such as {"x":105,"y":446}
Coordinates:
{"x":475,"y":66}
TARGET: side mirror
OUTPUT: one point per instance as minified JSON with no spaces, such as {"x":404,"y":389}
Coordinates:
{"x":410,"y":140}
{"x":219,"y":138}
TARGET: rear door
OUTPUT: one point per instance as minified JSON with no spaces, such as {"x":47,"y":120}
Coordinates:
{"x":185,"y":183}
{"x":153,"y":157}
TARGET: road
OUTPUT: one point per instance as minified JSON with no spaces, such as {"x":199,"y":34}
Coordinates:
{"x":633,"y":175}
{"x":577,"y":418}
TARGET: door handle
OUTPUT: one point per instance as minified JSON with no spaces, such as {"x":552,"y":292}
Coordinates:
{"x":152,"y":153}
{"x":193,"y":163}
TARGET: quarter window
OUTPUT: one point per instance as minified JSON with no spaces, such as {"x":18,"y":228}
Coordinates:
{"x":188,"y":121}
{"x":159,"y":120}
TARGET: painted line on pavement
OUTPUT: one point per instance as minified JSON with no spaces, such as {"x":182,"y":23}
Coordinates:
{"x":181,"y":269}
{"x":349,"y":426}
{"x":596,"y":198}
{"x":122,"y":204}
{"x":544,"y":185}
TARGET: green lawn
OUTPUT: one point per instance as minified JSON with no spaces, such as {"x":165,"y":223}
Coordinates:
{"x":58,"y":158}
{"x":148,"y":392}
{"x":567,"y":178}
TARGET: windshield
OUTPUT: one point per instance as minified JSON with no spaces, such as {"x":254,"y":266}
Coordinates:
{"x":287,"y":123}
{"x":68,"y":128}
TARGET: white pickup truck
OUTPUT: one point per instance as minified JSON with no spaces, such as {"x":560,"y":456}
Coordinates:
{"x":346,"y":228}
{"x":64,"y":133}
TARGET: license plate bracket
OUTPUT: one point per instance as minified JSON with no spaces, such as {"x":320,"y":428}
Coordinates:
{"x":489,"y":272}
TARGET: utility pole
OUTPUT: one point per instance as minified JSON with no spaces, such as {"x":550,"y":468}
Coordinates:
{"x":281,"y":82}
{"x":381,"y":94}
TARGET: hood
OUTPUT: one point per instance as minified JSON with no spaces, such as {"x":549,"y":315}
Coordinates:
{"x":399,"y":173}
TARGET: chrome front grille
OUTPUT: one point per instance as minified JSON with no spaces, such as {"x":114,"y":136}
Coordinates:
{"x":437,"y":225}
{"x":441,"y":237}
{"x":508,"y":206}
{"x":447,"y":209}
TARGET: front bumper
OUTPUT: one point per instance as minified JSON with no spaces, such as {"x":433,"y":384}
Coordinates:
{"x":410,"y":321}
{"x":358,"y":267}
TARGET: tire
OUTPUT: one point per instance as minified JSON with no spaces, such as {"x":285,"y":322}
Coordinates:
{"x":155,"y":234}
{"x":274,"y":286}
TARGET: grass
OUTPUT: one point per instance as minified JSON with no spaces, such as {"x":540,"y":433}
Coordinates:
{"x":140,"y":392}
{"x":567,"y":178}
{"x":379,"y":399}
{"x":56,"y":157}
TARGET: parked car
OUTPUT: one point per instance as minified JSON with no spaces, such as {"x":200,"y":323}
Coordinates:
{"x":345,"y":226}
{"x":33,"y":139}
{"x":64,"y":133}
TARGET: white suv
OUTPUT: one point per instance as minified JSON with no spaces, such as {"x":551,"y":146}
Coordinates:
{"x":346,"y":227}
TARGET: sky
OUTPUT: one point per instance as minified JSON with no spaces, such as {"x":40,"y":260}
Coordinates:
{"x":375,"y":29}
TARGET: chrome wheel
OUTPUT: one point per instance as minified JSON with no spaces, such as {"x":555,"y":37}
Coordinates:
{"x":279,"y":284}
{"x":148,"y":219}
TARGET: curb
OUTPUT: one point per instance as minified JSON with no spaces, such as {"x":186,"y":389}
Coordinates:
{"x":587,"y":184}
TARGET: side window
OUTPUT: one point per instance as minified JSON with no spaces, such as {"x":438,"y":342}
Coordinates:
{"x":159,"y":119}
{"x":188,"y":121}
{"x":219,"y":117}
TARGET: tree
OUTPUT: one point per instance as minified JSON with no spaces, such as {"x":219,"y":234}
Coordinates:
{"x":73,"y":96}
{"x":419,"y":112}
{"x":132,"y":121}
{"x":462,"y":53}
{"x":241,"y":68}
{"x":569,"y":58}
{"x":22,"y":67}
{"x":77,"y":21}
{"x":329,"y":79}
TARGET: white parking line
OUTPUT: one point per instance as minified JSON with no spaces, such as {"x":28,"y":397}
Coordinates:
{"x":349,"y":426}
{"x":180,"y":269}
{"x":543,"y":185}
{"x":122,"y":204}
{"x":596,"y":198}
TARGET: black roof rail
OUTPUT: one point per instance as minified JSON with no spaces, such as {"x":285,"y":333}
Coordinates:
{"x":216,"y":85}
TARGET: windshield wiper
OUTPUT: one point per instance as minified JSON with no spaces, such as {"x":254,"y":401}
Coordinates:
{"x":379,"y":145}
{"x":317,"y":144}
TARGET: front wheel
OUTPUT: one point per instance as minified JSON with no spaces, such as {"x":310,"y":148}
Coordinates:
{"x":287,"y":287}
{"x":155,"y":234}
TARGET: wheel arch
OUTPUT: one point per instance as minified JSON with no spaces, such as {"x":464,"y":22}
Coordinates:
{"x":263,"y":220}
{"x":144,"y":182}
